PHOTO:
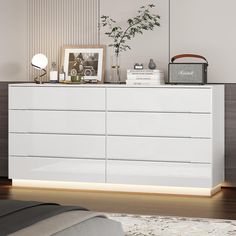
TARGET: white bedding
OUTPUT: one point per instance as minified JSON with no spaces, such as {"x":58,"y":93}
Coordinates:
{"x":74,"y":223}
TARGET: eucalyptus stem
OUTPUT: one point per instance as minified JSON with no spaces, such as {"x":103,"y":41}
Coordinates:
{"x":125,"y":35}
{"x":144,"y":21}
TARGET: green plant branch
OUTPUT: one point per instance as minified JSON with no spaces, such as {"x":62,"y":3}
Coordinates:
{"x":124,"y":35}
{"x":144,"y":21}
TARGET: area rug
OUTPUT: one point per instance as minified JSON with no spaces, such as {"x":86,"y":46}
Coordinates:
{"x":139,"y":225}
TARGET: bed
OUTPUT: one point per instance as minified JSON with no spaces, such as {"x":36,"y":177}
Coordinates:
{"x":20,"y":218}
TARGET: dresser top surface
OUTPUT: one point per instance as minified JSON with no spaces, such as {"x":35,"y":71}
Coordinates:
{"x":113,"y":85}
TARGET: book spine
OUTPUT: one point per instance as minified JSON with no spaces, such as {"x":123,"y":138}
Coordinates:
{"x":147,"y":78}
{"x":144,"y":83}
{"x":144,"y":71}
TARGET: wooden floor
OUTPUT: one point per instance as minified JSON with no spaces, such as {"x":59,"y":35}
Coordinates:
{"x":222,"y":205}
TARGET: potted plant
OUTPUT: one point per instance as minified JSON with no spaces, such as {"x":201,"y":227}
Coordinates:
{"x":145,"y":20}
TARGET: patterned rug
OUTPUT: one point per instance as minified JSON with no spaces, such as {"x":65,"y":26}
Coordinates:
{"x":137,"y":225}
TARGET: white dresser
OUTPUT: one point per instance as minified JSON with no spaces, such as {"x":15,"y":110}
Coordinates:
{"x":167,"y":139}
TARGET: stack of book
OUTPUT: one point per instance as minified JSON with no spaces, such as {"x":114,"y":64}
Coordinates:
{"x":145,"y":77}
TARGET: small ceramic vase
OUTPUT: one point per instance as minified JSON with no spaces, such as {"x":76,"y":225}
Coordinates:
{"x":152,"y":65}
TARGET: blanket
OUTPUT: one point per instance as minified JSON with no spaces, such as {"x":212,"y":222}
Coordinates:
{"x":16,"y":215}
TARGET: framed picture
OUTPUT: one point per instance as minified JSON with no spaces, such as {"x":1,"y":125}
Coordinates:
{"x":87,"y":61}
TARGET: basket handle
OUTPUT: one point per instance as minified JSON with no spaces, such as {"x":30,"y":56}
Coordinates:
{"x":188,"y":55}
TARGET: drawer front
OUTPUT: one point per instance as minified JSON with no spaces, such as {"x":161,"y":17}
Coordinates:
{"x":159,"y":124}
{"x":67,"y":122}
{"x":57,"y":98}
{"x":67,"y":146}
{"x":160,"y":149}
{"x":159,"y":99}
{"x":57,"y":169}
{"x":161,"y":174}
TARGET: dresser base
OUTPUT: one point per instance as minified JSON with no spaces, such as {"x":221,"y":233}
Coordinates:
{"x":208,"y":192}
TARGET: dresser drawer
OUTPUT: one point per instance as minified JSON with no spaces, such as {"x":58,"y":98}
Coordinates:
{"x":62,"y":122}
{"x":57,"y":98}
{"x":159,"y":124}
{"x":66,"y":146}
{"x":160,"y":174}
{"x":160,"y":99}
{"x":160,"y":149}
{"x":57,"y":169}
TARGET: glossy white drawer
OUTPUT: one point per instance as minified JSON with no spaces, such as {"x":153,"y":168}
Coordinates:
{"x":161,"y":174}
{"x":160,"y":99}
{"x":68,"y":122}
{"x":57,"y":98}
{"x":160,"y":149}
{"x":159,"y":124}
{"x":57,"y":169}
{"x":67,"y":146}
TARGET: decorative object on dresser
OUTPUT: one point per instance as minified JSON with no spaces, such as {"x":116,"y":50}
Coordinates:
{"x":53,"y":73}
{"x":145,"y":77}
{"x":40,"y":62}
{"x":145,"y":20}
{"x":152,"y":65}
{"x":138,"y":66}
{"x":187,"y":73}
{"x":172,"y":137}
{"x":86,"y":62}
{"x":62,"y":75}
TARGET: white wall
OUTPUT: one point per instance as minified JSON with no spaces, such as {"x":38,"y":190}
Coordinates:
{"x":206,"y":27}
{"x":31,"y":26}
{"x":150,"y":45}
{"x":13,"y":40}
{"x":197,"y":26}
{"x":54,"y":23}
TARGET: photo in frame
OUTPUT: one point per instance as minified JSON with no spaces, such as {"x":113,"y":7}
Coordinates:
{"x":86,"y":61}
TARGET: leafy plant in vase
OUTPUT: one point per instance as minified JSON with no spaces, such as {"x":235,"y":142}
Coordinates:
{"x":145,"y":20}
